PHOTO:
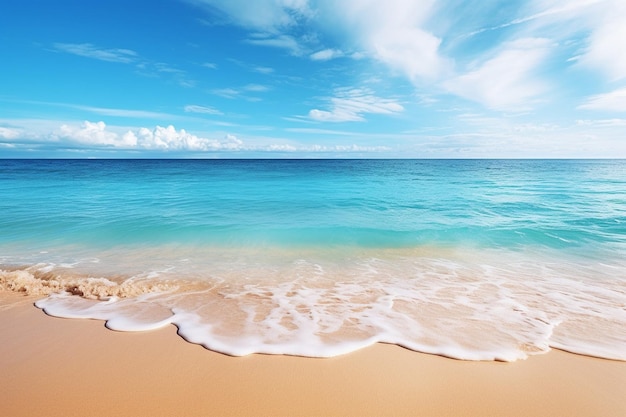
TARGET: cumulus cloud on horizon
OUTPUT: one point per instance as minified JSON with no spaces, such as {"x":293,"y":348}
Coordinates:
{"x":159,"y":138}
{"x":99,"y":136}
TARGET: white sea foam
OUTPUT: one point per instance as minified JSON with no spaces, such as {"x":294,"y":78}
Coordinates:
{"x":475,"y":305}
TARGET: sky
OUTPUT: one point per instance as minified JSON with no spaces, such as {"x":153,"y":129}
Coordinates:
{"x":313,"y":79}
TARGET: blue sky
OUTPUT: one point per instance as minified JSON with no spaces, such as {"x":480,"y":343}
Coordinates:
{"x":313,"y":78}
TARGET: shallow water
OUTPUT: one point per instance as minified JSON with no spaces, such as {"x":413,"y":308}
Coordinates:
{"x":480,"y":259}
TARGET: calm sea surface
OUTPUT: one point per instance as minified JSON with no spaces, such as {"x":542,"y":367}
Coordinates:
{"x":473,"y":259}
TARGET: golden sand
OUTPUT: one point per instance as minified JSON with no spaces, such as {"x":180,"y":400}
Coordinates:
{"x":61,"y":367}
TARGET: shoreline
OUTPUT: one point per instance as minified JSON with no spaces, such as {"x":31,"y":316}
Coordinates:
{"x":65,"y":367}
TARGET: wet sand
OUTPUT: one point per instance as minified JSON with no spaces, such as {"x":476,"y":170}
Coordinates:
{"x":63,"y":367}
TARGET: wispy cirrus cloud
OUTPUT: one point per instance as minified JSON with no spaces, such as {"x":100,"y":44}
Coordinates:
{"x":508,"y":80}
{"x":614,"y":101}
{"x":350,"y":105}
{"x":241,"y":92}
{"x":392,"y":32}
{"x":546,"y":10}
{"x":287,"y":42}
{"x":596,"y":24}
{"x":257,"y":88}
{"x":193,"y":108}
{"x":260,"y":69}
{"x":602,"y":123}
{"x":269,"y":21}
{"x":315,"y":131}
{"x":130,"y":113}
{"x":326,"y":54}
{"x":267,"y":15}
{"x":263,"y":70}
{"x":605,"y":44}
{"x":125,"y":56}
{"x":226,"y":92}
{"x":407,"y":37}
{"x":180,"y":76}
{"x":103,"y":111}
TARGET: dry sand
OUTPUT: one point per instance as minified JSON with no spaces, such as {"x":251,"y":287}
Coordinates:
{"x":58,"y":367}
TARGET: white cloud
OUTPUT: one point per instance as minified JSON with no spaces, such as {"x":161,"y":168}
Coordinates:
{"x":327,"y":149}
{"x":614,"y":101}
{"x":127,"y":56}
{"x":392,"y":32}
{"x":326,"y":54}
{"x":411,"y":51}
{"x":280,"y":148}
{"x":343,"y":148}
{"x":406,"y":36}
{"x":97,"y":134}
{"x":9,"y":133}
{"x":266,"y":15}
{"x":257,"y":88}
{"x":231,"y":142}
{"x":226,"y":92}
{"x":90,"y":133}
{"x":263,"y":70}
{"x":168,"y":138}
{"x":602,"y":123}
{"x":232,"y":93}
{"x":322,"y":131}
{"x":507,"y":81}
{"x":336,"y":115}
{"x":349,"y":105}
{"x":178,"y":75}
{"x":597,"y":24}
{"x":105,"y":111}
{"x":192,"y":108}
{"x":161,"y":69}
{"x":90,"y":51}
{"x":546,"y":11}
{"x":281,"y":41}
{"x":476,"y":135}
{"x":605,"y":50}
{"x":480,"y":136}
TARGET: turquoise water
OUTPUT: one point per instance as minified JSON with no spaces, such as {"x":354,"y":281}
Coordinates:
{"x":322,"y":257}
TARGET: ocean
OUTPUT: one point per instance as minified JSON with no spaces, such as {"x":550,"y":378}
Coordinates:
{"x":470,"y":259}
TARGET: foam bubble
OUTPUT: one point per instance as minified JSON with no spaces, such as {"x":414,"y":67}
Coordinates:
{"x":43,"y":280}
{"x":119,"y":314}
{"x":475,"y":305}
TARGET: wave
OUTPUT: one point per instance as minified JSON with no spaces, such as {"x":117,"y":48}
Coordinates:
{"x":42,"y":280}
{"x":471,"y":304}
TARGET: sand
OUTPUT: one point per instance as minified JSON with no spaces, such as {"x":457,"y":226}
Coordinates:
{"x":62,"y":367}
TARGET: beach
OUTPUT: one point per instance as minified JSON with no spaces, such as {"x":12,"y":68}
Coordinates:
{"x":313,"y":208}
{"x":68,"y":367}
